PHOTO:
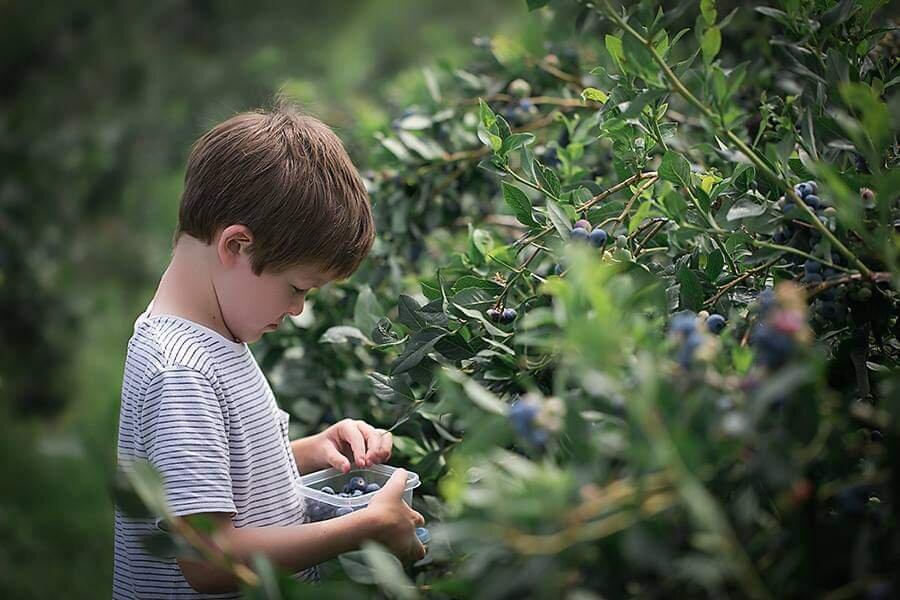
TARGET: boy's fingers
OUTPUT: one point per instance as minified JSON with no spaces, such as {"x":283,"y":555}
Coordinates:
{"x":351,"y":434}
{"x":373,"y":443}
{"x":387,"y":445}
{"x":395,"y":485}
{"x":336,"y":459}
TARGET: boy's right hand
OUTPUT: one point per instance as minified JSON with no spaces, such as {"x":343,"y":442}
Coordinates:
{"x":395,"y":521}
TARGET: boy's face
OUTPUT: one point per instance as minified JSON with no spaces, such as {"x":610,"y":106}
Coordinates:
{"x":253,"y":304}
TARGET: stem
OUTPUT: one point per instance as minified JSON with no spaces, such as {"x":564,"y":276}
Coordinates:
{"x":739,"y":279}
{"x":617,"y":220}
{"x":738,"y":142}
{"x":512,"y":279}
{"x":589,"y":203}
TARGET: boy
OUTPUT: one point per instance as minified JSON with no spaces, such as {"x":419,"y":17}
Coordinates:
{"x":272,"y":207}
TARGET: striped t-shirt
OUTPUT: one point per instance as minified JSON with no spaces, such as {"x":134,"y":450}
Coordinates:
{"x":197,"y":406}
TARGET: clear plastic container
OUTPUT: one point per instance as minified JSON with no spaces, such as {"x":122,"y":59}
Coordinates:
{"x":321,"y":505}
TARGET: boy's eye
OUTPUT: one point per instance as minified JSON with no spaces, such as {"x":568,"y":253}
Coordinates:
{"x":297,"y":290}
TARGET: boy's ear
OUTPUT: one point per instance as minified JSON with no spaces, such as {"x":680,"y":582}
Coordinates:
{"x":233,"y":240}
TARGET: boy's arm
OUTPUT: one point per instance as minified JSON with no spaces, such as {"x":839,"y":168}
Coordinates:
{"x":305,"y":452}
{"x":387,"y":520}
{"x":294,"y":548}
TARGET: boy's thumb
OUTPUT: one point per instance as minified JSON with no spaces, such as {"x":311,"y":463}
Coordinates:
{"x":396,"y":484}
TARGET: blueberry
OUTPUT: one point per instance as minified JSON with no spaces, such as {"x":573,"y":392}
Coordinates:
{"x":521,"y":416}
{"x":806,"y":188}
{"x":579,"y":233}
{"x":830,"y":310}
{"x":355,"y":483}
{"x":342,"y":511}
{"x":356,"y":493}
{"x":327,"y":490}
{"x":811,"y":278}
{"x":773,"y":347}
{"x":812,"y":266}
{"x":508,"y":315}
{"x":558,"y":269}
{"x":766,"y":300}
{"x":812,"y":201}
{"x":494,"y":315}
{"x":684,"y":322}
{"x":583,"y":224}
{"x":372,"y":487}
{"x":598,"y":237}
{"x":715,"y":323}
{"x":318,"y":511}
{"x":780,"y":236}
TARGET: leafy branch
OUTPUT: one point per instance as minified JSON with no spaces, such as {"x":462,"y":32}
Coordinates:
{"x":754,"y":158}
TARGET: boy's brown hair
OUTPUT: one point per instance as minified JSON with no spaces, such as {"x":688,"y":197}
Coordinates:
{"x":287,"y":177}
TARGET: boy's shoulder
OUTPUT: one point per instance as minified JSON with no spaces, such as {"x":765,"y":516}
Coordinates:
{"x":165,"y":342}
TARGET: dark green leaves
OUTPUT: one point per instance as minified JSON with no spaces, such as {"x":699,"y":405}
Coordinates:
{"x":675,"y":168}
{"x":519,"y":203}
{"x":691,"y":292}
{"x":418,"y":347}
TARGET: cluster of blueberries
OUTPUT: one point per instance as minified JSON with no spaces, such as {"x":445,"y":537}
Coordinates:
{"x":686,"y":328}
{"x":582,"y":231}
{"x":503,"y":316}
{"x":827,"y":304}
{"x":523,"y":418}
{"x":356,"y":486}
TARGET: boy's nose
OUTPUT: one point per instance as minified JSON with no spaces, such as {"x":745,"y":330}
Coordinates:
{"x":295,"y":312}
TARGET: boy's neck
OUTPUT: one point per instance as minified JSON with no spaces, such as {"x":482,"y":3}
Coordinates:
{"x":186,"y":288}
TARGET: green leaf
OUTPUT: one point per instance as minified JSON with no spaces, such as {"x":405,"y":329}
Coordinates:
{"x":408,"y":313}
{"x":675,"y":168}
{"x":454,"y":347}
{"x":367,"y":311}
{"x":594,"y":95}
{"x":515,"y":141}
{"x":614,"y":47}
{"x":519,"y":203}
{"x":745,"y":208}
{"x":559,"y":219}
{"x":548,"y":179}
{"x":691,"y":291}
{"x":488,"y":118}
{"x":391,"y":389}
{"x":708,"y":10}
{"x":714,"y":263}
{"x":536,"y":4}
{"x":341,"y":334}
{"x":418,"y":347}
{"x":711,"y":43}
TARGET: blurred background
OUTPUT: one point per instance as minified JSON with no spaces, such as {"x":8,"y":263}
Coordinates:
{"x":99,"y":106}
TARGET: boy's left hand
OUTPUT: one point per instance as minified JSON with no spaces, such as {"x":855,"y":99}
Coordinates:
{"x":357,"y":441}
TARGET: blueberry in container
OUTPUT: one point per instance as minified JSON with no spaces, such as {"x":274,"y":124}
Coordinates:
{"x":330,"y":493}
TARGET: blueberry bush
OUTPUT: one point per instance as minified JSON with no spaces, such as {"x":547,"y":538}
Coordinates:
{"x":632,"y":311}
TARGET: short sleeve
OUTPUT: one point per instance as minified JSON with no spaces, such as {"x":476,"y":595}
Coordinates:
{"x":185,"y":437}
